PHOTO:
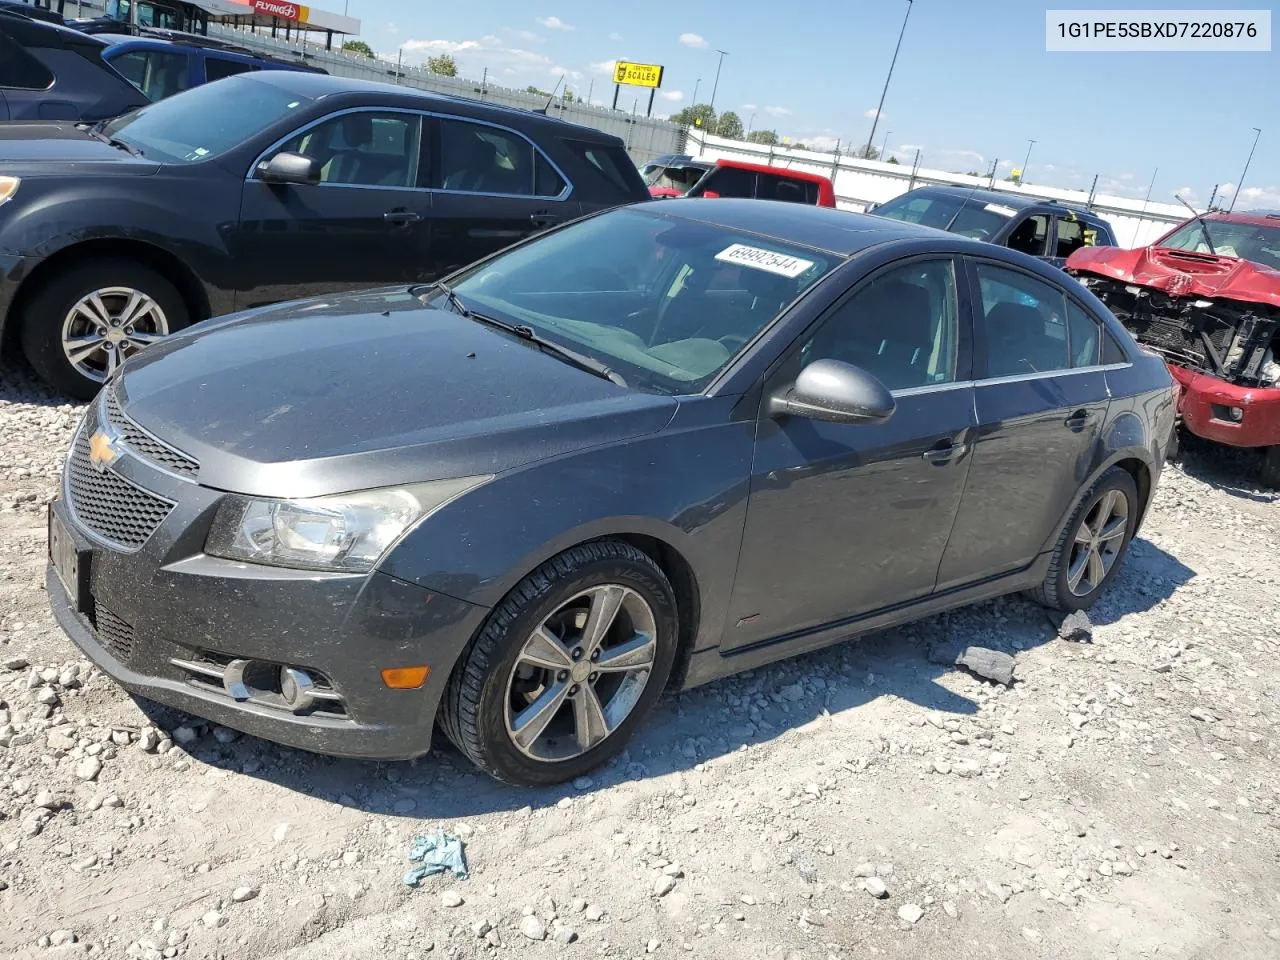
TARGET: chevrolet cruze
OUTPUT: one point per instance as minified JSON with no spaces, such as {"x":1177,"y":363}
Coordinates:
{"x":642,"y":451}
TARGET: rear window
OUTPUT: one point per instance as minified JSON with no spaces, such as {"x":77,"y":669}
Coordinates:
{"x":770,"y":186}
{"x":610,"y":163}
{"x":727,"y":182}
{"x":215,"y":68}
{"x":20,"y":69}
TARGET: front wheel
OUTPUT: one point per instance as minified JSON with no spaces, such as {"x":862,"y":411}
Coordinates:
{"x":83,"y":323}
{"x":566,"y":667}
{"x":1092,"y":544}
{"x":1271,"y":468}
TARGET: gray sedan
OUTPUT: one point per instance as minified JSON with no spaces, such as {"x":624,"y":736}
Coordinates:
{"x":641,"y":451}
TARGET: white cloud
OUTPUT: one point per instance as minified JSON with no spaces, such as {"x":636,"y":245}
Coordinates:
{"x":675,"y":96}
{"x":749,"y":106}
{"x":605,"y":66}
{"x":693,"y":40}
{"x":615,"y":36}
{"x":555,"y":23}
{"x":519,"y":66}
{"x":559,"y":71}
{"x":777,"y":111}
{"x":910,"y":147}
{"x":1227,"y":189}
{"x":528,"y":36}
{"x":872,"y":114}
{"x":1259,"y":198}
{"x":821,"y":142}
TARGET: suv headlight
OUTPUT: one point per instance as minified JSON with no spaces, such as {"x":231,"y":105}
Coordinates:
{"x":8,"y":187}
{"x":346,"y":532}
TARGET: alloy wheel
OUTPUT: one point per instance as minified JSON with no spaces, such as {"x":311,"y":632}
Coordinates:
{"x":1098,"y":542}
{"x":581,"y":673}
{"x":106,"y":326}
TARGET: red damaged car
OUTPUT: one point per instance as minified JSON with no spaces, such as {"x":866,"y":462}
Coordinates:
{"x":1206,"y":297}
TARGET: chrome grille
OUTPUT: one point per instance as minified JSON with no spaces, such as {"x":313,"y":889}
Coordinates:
{"x":106,"y":503}
{"x":114,"y":634}
{"x":145,"y":445}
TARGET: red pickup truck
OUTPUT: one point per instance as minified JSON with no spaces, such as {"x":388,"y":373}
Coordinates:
{"x":736,"y":178}
{"x":1206,"y":296}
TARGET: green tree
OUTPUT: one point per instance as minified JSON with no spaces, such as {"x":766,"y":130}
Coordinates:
{"x":867,"y":153}
{"x":360,"y":47}
{"x":730,"y":125}
{"x":892,"y":160}
{"x":768,"y":137}
{"x":536,"y":91}
{"x":443,"y":65}
{"x":799,"y":146}
{"x":699,"y":115}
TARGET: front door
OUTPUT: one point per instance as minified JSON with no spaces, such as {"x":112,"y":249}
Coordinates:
{"x":1041,"y":401}
{"x":493,"y":187}
{"x":1030,"y":235}
{"x":365,"y":224}
{"x":844,"y":519}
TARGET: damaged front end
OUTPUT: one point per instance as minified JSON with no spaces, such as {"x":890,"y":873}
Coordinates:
{"x":1213,"y":315}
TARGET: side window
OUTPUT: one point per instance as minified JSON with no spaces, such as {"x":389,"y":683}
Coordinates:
{"x":215,"y":68}
{"x":477,"y":158}
{"x":611,"y":163}
{"x":1070,"y":237}
{"x":364,"y":149}
{"x":902,"y":327}
{"x":20,"y":69}
{"x":1031,"y":235}
{"x":728,"y":182}
{"x":1112,"y":352}
{"x":1083,"y":337}
{"x":770,"y":186}
{"x":157,"y":73}
{"x":1025,"y":323}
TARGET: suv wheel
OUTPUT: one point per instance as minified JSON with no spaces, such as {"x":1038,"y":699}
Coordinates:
{"x":1271,"y":468}
{"x":566,"y":667}
{"x":1092,"y":544}
{"x":80,"y":325}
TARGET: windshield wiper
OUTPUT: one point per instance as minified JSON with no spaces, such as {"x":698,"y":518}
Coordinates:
{"x":1204,"y":227}
{"x":526,"y":333}
{"x":115,"y":142}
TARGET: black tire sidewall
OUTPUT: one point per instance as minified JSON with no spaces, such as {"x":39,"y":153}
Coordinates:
{"x":1270,"y":474}
{"x":507,"y":761}
{"x":1114,"y":479}
{"x":44,"y":313}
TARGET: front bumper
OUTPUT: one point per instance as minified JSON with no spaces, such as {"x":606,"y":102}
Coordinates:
{"x":1207,"y":404}
{"x":166,"y":622}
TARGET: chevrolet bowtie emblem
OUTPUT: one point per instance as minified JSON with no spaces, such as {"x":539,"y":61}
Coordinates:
{"x":103,"y":450}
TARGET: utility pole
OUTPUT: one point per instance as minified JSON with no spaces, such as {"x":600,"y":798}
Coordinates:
{"x":590,"y":87}
{"x":1213,"y":195}
{"x":694,"y":101}
{"x":1143,"y":212}
{"x":876,"y":118}
{"x":1022,"y":178}
{"x":885,"y":146}
{"x":750,"y":122}
{"x":1239,"y":186}
{"x":716,"y":85}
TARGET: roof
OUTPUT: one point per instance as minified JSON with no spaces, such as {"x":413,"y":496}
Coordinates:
{"x":765,"y":168}
{"x":1015,"y":201}
{"x":41,"y":33}
{"x":821,"y":228}
{"x":317,"y":86}
{"x":1259,"y":218}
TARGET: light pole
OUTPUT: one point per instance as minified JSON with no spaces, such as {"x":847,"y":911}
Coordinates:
{"x":751,"y":123}
{"x":716,"y":85}
{"x":885,"y":147}
{"x":876,"y":118}
{"x":696,"y":83}
{"x":1022,"y":178}
{"x":1239,"y":186}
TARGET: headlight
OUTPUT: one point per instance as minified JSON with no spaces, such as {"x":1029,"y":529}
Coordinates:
{"x":348,"y":531}
{"x":8,"y":187}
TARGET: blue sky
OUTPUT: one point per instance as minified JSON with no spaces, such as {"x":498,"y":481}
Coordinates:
{"x":972,"y":84}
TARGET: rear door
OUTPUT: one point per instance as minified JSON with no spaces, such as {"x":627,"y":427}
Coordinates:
{"x":1069,"y":235}
{"x":157,"y":73}
{"x":491,"y":186}
{"x":1041,"y":398}
{"x":726,"y":182}
{"x":365,"y":224}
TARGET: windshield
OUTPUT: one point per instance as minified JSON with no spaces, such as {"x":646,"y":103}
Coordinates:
{"x":1247,"y":241}
{"x":977,"y":219}
{"x":675,"y":177}
{"x":205,"y":121}
{"x":667,"y":302}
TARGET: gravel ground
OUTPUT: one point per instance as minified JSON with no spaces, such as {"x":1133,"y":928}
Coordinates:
{"x":1120,"y":800}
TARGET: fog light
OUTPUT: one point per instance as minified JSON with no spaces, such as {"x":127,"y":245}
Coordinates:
{"x":1237,"y":414}
{"x":405,"y":678}
{"x":297,"y":689}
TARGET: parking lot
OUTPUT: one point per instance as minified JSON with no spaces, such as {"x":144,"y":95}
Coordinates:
{"x":1120,"y":800}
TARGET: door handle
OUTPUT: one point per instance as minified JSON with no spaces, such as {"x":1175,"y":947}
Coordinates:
{"x":942,"y":454}
{"x":1078,"y":420}
{"x":544,"y":219}
{"x":401,"y":216}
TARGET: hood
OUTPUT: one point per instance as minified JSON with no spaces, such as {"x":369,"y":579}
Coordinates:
{"x":1181,"y":273}
{"x":374,"y":389}
{"x":44,"y":143}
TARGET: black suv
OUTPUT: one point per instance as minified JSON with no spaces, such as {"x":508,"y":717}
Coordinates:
{"x":264,"y":187}
{"x":1042,"y":228}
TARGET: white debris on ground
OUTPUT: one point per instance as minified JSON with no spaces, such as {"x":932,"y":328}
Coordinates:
{"x":1119,"y":800}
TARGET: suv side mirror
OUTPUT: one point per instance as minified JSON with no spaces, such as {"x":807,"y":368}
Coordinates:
{"x":290,"y":168}
{"x":836,"y":392}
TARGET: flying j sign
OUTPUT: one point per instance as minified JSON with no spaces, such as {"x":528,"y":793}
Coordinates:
{"x":282,"y":9}
{"x":638,"y":74}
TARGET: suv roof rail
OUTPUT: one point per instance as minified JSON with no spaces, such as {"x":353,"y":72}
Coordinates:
{"x":193,"y":40}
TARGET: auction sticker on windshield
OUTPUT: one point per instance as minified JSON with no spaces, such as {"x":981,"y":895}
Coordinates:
{"x":769,"y":261}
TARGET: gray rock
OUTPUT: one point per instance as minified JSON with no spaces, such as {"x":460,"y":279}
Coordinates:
{"x":185,"y":735}
{"x":451,"y":898}
{"x":664,"y":885}
{"x":1076,"y":627}
{"x":875,"y":886}
{"x":532,"y":928}
{"x":950,"y":909}
{"x":48,"y":696}
{"x":988,"y":664}
{"x":149,"y":739}
{"x":60,"y":938}
{"x":406,"y":805}
{"x":793,"y":692}
{"x":910,"y":912}
{"x":243,"y":894}
{"x":583,"y":783}
{"x":594,"y":912}
{"x":213,"y":919}
{"x":88,"y":768}
{"x":481,"y":927}
{"x":47,"y":800}
{"x":565,"y":935}
{"x":14,"y":663}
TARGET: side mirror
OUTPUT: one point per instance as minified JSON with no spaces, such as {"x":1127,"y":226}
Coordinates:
{"x":290,"y":168}
{"x":836,"y":392}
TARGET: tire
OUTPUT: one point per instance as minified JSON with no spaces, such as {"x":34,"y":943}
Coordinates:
{"x":46,"y":316}
{"x":1271,"y":468}
{"x":1056,"y":592}
{"x":477,"y":712}
{"x":1174,"y":451}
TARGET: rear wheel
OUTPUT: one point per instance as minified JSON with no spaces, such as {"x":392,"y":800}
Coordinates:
{"x":1271,"y":468}
{"x":1092,"y":544}
{"x":83,"y":323}
{"x":566,"y":667}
